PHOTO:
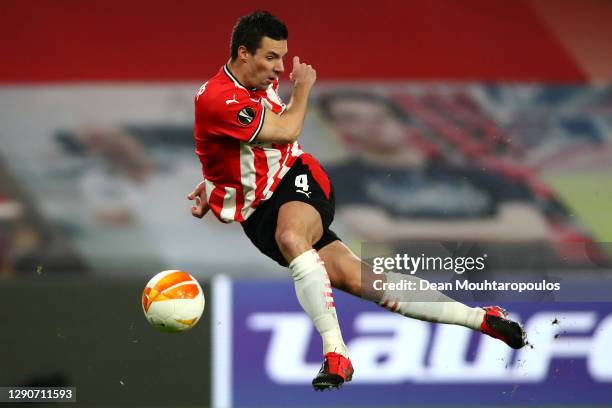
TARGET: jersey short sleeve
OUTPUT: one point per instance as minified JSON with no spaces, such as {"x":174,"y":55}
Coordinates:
{"x":236,"y":115}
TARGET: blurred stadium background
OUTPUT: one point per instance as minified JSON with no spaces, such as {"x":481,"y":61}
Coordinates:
{"x":445,"y":120}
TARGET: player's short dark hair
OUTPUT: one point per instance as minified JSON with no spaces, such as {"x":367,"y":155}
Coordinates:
{"x":327,"y":99}
{"x":250,"y":29}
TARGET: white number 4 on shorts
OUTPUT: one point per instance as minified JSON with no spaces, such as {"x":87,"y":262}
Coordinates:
{"x":301,"y":182}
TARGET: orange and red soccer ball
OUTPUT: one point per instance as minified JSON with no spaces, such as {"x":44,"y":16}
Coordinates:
{"x":173,"y":301}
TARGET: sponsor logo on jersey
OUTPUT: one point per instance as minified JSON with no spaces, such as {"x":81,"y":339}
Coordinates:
{"x":246,"y":115}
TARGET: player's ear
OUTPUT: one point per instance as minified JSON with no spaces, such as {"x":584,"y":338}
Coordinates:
{"x":243,"y":53}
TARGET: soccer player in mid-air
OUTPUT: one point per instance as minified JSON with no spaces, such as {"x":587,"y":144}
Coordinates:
{"x":257,"y":174}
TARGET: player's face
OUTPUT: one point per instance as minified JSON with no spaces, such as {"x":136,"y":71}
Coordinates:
{"x":369,"y":124}
{"x":266,"y":64}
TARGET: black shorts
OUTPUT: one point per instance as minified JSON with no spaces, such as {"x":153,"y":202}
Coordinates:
{"x":307,"y":182}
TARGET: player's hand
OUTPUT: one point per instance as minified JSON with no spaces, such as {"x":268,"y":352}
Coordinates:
{"x":200,"y":207}
{"x":302,"y":73}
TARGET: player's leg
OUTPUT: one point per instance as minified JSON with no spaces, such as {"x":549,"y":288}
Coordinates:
{"x":348,"y":273}
{"x":299,"y":226}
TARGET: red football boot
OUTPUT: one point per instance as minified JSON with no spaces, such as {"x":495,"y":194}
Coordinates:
{"x":336,"y":370}
{"x":497,"y":325}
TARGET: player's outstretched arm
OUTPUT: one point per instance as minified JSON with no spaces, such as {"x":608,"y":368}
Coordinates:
{"x":200,"y":207}
{"x":287,"y":127}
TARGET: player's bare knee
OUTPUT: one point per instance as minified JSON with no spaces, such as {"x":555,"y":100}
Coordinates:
{"x":291,"y":242}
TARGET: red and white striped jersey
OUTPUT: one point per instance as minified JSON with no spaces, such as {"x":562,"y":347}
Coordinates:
{"x":239,"y":172}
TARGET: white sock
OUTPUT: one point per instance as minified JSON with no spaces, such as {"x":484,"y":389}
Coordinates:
{"x":434,"y":306}
{"x":314,"y":293}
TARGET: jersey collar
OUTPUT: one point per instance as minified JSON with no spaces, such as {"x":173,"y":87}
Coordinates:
{"x":234,"y":79}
